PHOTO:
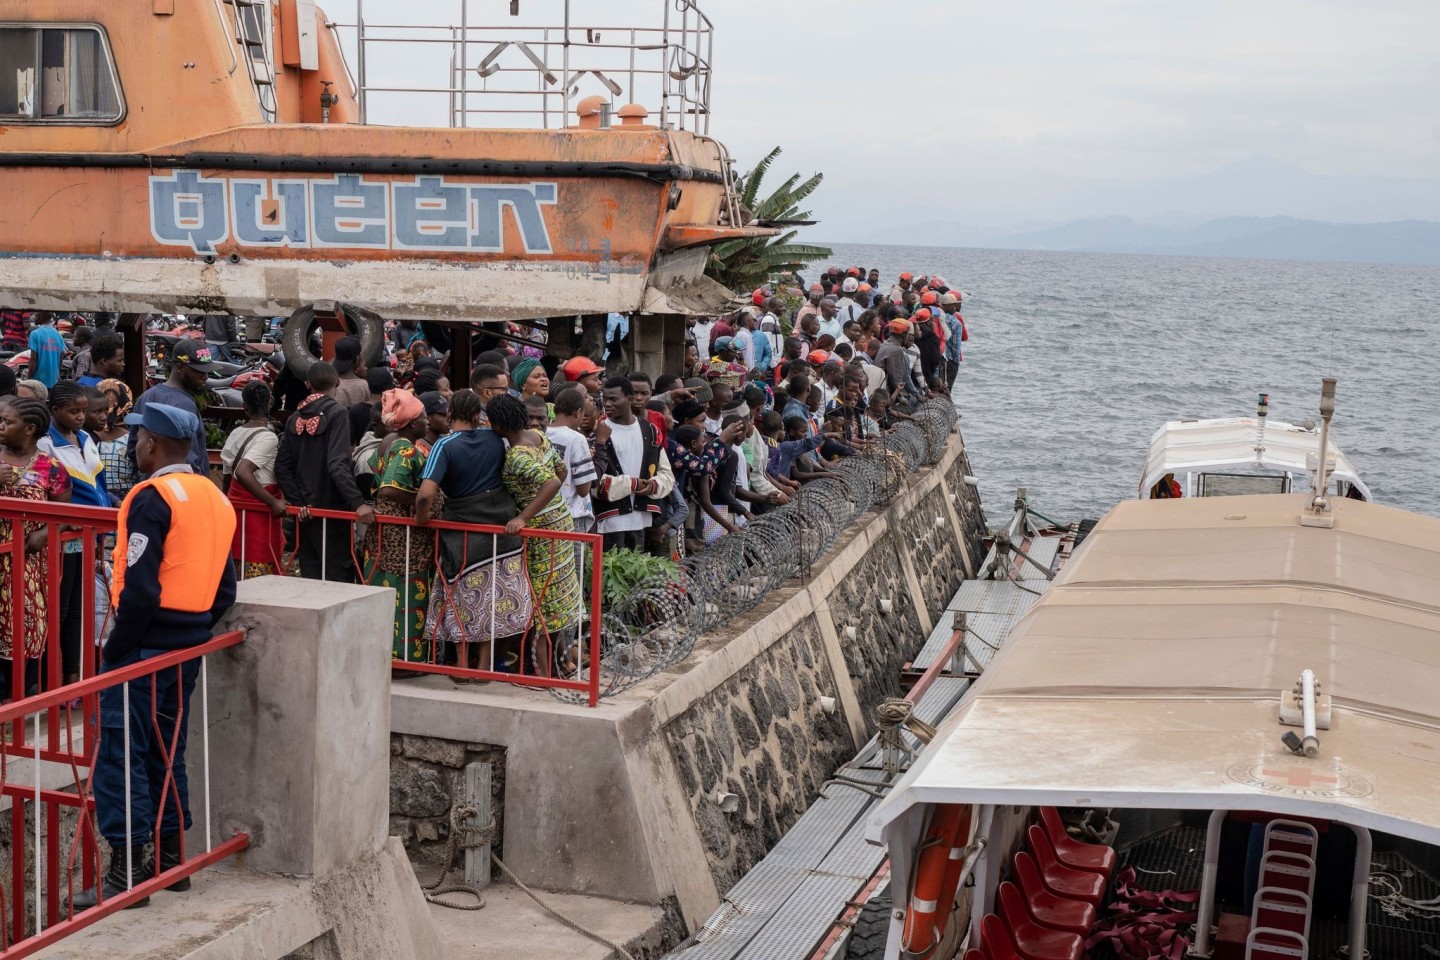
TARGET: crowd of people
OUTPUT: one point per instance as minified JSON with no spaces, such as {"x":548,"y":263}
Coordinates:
{"x":766,"y":399}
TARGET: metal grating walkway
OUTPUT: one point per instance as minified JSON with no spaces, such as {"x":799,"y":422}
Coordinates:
{"x":991,"y":608}
{"x":785,"y":905}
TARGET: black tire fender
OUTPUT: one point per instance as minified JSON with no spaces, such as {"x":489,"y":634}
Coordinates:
{"x":295,"y":343}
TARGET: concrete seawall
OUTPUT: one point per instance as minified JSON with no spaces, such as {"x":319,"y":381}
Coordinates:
{"x":623,"y":801}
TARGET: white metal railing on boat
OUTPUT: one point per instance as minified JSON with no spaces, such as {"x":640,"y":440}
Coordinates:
{"x":529,"y":74}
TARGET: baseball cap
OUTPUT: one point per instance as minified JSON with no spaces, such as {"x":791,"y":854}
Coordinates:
{"x":850,"y":285}
{"x":193,"y":353}
{"x":347,"y":351}
{"x":817,"y":356}
{"x":949,"y":298}
{"x":922,"y":314}
{"x":928,"y":297}
{"x":816,"y":286}
{"x":853,"y":271}
{"x":164,"y":420}
{"x":864,"y":288}
{"x":577,"y":367}
{"x":724,"y":343}
{"x":905,"y":276}
{"x":434,"y":402}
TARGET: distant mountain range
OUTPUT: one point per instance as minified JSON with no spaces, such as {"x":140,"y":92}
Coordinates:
{"x":1255,"y":207}
{"x":1278,"y":238}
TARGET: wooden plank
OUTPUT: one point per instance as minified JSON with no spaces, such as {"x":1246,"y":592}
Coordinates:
{"x":477,"y":795}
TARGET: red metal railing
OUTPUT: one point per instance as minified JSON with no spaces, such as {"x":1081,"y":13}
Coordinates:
{"x":535,"y":649}
{"x":36,"y":912}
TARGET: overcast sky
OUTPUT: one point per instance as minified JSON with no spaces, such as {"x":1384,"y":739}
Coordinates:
{"x":990,"y":113}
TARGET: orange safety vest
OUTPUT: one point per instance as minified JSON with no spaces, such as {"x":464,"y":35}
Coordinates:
{"x":202,"y":526}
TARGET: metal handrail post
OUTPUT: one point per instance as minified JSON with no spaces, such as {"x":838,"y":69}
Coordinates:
{"x":360,"y":57}
{"x":464,"y":63}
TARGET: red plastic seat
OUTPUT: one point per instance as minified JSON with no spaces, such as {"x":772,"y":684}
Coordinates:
{"x":1049,"y":910}
{"x":1077,"y":853}
{"x":1059,"y":879}
{"x":995,"y":939}
{"x":1032,"y":941}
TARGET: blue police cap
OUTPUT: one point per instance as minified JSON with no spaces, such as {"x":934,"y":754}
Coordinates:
{"x":165,"y":421}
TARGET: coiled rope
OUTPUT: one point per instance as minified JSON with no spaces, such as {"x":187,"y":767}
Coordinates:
{"x":465,"y":837}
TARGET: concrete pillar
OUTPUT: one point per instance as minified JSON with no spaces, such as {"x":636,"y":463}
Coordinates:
{"x":300,"y":725}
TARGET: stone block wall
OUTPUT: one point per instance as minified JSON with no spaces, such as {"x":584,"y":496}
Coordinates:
{"x":764,"y":737}
{"x":967,"y":505}
{"x":935,"y":552}
{"x":883,"y":641}
{"x":427,"y":778}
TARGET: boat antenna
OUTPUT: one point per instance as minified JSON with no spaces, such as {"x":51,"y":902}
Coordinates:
{"x":1262,"y":410}
{"x":1318,"y":513}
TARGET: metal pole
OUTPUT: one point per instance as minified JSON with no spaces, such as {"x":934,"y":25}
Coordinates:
{"x":360,"y":55}
{"x":1208,"y":879}
{"x":1359,"y":891}
{"x":464,"y":63}
{"x":565,"y":100}
{"x":664,"y":73}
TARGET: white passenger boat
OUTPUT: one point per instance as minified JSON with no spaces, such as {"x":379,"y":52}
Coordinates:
{"x":1238,"y":695}
{"x":1242,"y":455}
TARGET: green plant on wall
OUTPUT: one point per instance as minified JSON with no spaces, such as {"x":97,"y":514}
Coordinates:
{"x":623,"y":571}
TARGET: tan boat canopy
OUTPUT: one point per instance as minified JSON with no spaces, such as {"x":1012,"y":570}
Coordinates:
{"x":1225,"y":448}
{"x":1150,"y":674}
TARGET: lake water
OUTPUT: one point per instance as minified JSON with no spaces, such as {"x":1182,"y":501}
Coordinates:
{"x":1074,"y":360}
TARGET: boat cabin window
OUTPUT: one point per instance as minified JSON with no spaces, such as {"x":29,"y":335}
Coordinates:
{"x":62,"y":74}
{"x":1239,"y":485}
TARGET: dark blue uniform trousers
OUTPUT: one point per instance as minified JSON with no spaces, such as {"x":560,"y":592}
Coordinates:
{"x":151,"y":735}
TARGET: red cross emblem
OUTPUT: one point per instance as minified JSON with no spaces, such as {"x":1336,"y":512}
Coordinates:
{"x":1301,"y":778}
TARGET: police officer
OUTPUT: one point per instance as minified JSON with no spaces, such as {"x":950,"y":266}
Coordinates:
{"x":172,"y":583}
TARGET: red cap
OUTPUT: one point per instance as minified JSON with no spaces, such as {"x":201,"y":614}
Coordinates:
{"x":758,"y":297}
{"x":928,"y":297}
{"x":865,"y":287}
{"x":905,"y":276}
{"x":817,"y":356}
{"x":577,"y":367}
{"x":921,"y":314}
{"x":853,"y":272}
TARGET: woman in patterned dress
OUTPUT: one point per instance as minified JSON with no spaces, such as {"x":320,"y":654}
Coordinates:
{"x":530,"y":476}
{"x":26,"y":474}
{"x":397,"y":555}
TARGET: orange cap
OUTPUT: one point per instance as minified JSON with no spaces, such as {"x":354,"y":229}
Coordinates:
{"x":817,"y":356}
{"x":928,"y":297}
{"x":865,"y":287}
{"x":905,"y":276}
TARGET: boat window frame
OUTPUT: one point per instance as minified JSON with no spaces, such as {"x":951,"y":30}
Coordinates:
{"x":39,"y":26}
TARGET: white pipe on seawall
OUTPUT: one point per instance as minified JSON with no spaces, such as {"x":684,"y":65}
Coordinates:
{"x":1206,"y":908}
{"x":1311,"y":743}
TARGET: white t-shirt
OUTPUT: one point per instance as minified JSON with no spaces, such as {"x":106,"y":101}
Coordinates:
{"x":574,"y":451}
{"x":629,"y":446}
{"x":261,"y":451}
{"x":702,"y":332}
{"x":746,"y":341}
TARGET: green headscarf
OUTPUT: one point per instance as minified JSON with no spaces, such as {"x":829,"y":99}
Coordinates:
{"x":522,"y":371}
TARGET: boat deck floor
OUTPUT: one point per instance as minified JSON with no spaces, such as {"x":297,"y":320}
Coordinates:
{"x":788,"y":903}
{"x":1174,"y":860}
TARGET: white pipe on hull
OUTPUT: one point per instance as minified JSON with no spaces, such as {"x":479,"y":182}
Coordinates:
{"x":1311,"y":743}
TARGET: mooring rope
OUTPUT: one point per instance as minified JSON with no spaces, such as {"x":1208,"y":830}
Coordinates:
{"x":465,"y":837}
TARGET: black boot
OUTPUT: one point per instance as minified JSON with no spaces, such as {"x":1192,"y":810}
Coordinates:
{"x":114,"y":879}
{"x":170,"y":858}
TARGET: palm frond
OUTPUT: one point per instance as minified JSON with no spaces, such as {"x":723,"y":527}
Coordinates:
{"x":747,"y":263}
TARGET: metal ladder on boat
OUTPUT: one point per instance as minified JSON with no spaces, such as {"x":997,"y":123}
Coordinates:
{"x":253,"y":34}
{"x":1284,"y":904}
